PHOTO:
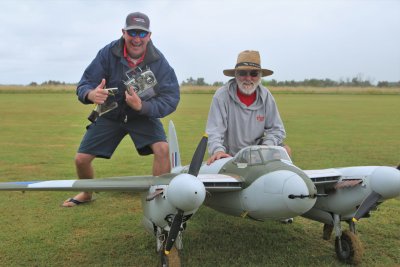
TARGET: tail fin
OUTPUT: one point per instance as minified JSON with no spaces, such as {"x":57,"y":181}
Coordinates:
{"x":174,"y":154}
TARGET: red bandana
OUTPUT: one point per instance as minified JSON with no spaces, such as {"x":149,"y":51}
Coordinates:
{"x":130,"y":62}
{"x":246,"y":99}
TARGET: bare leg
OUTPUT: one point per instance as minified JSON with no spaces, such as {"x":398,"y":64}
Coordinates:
{"x":161,"y":164}
{"x":84,"y":170}
{"x":288,"y":150}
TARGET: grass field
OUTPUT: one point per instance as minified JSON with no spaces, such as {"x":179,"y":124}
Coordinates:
{"x":40,"y":132}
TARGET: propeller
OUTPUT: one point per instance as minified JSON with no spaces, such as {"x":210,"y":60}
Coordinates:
{"x":174,"y":231}
{"x":368,"y":203}
{"x":194,"y":169}
{"x":198,"y":156}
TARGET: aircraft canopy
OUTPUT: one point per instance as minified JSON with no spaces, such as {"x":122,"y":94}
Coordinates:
{"x":254,"y":155}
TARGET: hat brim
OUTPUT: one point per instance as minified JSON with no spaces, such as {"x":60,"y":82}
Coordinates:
{"x":231,"y":72}
{"x":136,"y":28}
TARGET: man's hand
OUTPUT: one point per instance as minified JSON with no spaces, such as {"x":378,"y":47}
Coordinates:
{"x":218,"y":155}
{"x":133,"y":100}
{"x":98,"y":95}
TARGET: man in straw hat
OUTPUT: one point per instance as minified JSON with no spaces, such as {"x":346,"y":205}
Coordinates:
{"x":243,"y":112}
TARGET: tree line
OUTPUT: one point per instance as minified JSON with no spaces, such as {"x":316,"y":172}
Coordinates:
{"x":50,"y":82}
{"x":354,"y":82}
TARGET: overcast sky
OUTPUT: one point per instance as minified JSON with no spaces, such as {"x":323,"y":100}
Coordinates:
{"x":55,"y":40}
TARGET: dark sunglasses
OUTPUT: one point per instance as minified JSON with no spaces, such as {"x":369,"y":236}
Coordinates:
{"x":252,"y":73}
{"x":134,"y":33}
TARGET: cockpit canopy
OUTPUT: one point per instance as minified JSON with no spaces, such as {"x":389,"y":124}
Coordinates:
{"x":256,"y":155}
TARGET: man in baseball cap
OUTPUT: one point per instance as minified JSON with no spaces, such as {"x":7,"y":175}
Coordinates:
{"x":133,"y":116}
{"x":137,"y":21}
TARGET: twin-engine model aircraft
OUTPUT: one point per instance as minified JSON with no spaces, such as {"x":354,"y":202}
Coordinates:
{"x":260,"y":183}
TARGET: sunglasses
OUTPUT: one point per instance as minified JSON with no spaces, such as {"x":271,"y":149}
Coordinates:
{"x":134,"y":33}
{"x":252,"y":73}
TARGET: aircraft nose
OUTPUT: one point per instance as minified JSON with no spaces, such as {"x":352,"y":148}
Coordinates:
{"x":298,"y":195}
{"x":186,"y":192}
{"x":386,"y":182}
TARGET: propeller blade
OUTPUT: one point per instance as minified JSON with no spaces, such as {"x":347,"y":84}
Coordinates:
{"x":198,"y":156}
{"x":369,"y":202}
{"x":173,"y":232}
{"x":194,"y":169}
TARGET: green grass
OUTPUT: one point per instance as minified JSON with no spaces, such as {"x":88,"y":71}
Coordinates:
{"x":39,"y":135}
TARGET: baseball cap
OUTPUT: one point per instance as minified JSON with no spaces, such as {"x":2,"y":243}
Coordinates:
{"x":138,"y":21}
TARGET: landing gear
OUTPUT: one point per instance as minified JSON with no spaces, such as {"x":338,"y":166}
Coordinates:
{"x":348,"y":248}
{"x":347,"y":244}
{"x":287,"y":221}
{"x":327,"y":231}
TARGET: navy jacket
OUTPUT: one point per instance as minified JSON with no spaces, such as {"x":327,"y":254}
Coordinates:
{"x":111,"y":65}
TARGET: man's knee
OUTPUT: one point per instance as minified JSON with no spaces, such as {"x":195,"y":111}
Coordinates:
{"x":160,"y":149}
{"x":83,"y":160}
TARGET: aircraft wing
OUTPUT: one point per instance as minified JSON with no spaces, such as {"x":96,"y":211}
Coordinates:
{"x":221,"y":182}
{"x":121,"y":184}
{"x":325,"y":176}
{"x":332,"y":178}
{"x":212,"y":183}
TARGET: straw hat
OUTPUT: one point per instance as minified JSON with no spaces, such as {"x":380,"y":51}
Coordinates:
{"x":248,"y":60}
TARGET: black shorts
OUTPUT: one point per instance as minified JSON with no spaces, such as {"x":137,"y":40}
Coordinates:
{"x":103,"y":136}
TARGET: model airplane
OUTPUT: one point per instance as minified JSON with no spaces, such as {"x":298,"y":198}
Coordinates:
{"x":260,"y":183}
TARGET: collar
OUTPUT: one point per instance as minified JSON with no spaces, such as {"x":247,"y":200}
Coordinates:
{"x":246,"y":99}
{"x":131,"y":61}
{"x":152,"y":54}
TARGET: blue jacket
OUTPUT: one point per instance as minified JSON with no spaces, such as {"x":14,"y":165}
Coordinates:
{"x":111,"y":65}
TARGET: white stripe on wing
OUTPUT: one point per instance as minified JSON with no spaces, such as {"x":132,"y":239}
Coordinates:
{"x":53,"y":184}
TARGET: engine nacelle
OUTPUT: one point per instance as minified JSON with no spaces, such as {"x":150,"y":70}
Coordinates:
{"x":386,"y":182}
{"x":345,"y":201}
{"x":268,"y":196}
{"x":185,"y":192}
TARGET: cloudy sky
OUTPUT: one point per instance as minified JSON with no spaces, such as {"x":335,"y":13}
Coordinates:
{"x":55,"y":40}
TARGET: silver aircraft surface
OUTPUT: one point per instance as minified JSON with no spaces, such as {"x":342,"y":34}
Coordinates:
{"x":259,"y":183}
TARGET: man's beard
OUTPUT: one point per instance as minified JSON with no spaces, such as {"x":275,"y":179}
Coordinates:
{"x":247,"y":87}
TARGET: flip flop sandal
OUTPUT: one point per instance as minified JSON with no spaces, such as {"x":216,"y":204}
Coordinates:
{"x":75,"y":202}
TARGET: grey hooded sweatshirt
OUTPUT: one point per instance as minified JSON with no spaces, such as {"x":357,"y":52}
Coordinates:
{"x":231,"y":125}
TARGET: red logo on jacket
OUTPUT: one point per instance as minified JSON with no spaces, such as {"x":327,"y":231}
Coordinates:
{"x":260,"y":118}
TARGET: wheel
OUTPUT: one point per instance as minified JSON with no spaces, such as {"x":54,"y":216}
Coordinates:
{"x":350,"y":250}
